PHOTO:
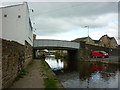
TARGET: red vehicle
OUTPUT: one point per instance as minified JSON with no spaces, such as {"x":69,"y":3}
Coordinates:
{"x":102,"y":54}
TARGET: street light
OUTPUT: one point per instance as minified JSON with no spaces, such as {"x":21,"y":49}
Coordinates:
{"x":88,"y":32}
{"x":88,"y":29}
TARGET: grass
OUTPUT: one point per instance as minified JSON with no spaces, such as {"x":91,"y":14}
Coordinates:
{"x":46,"y":67}
{"x":50,"y":83}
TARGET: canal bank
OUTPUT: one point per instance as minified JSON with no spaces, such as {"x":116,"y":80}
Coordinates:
{"x":37,"y":75}
{"x":111,"y":60}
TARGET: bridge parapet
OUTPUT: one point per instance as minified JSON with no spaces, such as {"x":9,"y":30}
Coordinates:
{"x":55,"y":43}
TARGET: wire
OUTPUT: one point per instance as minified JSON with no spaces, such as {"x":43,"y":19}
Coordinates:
{"x":57,"y":10}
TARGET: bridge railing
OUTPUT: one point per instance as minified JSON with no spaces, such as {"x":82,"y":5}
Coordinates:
{"x":55,"y":43}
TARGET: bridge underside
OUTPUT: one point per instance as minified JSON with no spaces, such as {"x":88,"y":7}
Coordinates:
{"x":55,"y":48}
{"x":71,"y":47}
{"x":72,"y":53}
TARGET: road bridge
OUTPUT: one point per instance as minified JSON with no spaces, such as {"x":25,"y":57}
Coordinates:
{"x":49,"y":44}
{"x":55,"y":44}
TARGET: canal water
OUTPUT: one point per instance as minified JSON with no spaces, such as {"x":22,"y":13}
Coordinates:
{"x":76,"y":74}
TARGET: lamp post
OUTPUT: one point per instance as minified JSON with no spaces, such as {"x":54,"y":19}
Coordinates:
{"x":88,"y":32}
{"x":88,"y":29}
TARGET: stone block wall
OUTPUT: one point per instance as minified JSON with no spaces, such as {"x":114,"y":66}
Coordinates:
{"x":12,"y":61}
{"x":85,"y":51}
{"x":15,"y":58}
{"x":90,"y":48}
{"x":28,"y":53}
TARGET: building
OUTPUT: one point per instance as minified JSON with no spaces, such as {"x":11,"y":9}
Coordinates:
{"x":98,"y":43}
{"x":87,"y":40}
{"x":104,"y":41}
{"x":16,"y":24}
{"x":108,"y":42}
{"x":17,"y":41}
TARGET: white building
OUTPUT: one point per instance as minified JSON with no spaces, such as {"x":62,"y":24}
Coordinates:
{"x":16,"y":24}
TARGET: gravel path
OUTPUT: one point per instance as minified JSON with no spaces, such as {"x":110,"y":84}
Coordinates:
{"x":33,"y":79}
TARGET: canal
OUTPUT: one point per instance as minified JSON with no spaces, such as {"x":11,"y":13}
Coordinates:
{"x":76,"y":74}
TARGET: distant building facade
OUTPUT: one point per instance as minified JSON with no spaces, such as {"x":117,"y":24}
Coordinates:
{"x":104,"y":41}
{"x":87,"y":40}
{"x":98,"y":43}
{"x":109,"y":42}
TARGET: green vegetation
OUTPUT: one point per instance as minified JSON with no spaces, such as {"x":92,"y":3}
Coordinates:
{"x":39,"y":56}
{"x":45,"y":66}
{"x":50,"y":83}
{"x":58,"y":56}
{"x":50,"y":80}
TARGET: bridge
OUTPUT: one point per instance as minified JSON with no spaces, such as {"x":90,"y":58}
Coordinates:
{"x":55,"y":44}
{"x":71,"y":47}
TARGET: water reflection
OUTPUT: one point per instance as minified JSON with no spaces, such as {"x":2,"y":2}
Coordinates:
{"x":55,"y":64}
{"x":74,"y":74}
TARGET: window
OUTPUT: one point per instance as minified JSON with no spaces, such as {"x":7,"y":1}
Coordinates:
{"x":19,"y":16}
{"x":5,"y":15}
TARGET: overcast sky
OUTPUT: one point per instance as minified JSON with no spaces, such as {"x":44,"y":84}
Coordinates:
{"x":66,"y":20}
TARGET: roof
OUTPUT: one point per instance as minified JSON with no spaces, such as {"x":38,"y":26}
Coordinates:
{"x":11,"y":6}
{"x":111,"y":38}
{"x":80,"y":39}
{"x":107,"y":37}
{"x":96,"y":41}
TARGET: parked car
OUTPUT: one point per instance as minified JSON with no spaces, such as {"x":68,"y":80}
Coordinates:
{"x":102,"y":54}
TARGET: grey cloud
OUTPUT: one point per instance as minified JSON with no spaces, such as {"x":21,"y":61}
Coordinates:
{"x":73,"y":9}
{"x":50,"y":25}
{"x":55,"y":18}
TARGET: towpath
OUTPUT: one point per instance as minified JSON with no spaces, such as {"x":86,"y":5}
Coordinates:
{"x":33,"y":79}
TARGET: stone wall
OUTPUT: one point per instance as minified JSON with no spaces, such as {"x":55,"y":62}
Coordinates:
{"x":111,"y":51}
{"x":14,"y":59}
{"x":28,"y":53}
{"x":85,"y":51}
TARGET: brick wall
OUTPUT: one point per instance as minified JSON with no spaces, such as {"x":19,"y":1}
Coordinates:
{"x":14,"y":59}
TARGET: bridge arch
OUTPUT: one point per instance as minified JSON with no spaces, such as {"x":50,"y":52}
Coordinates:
{"x":71,"y":47}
